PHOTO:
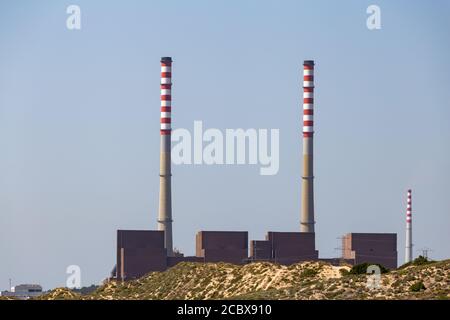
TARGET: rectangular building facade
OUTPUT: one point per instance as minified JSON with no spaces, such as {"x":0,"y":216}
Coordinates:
{"x":285,"y":247}
{"x":222,"y":246}
{"x":139,"y":252}
{"x":378,"y":248}
{"x":260,"y":250}
{"x":172,"y":261}
{"x":292,"y":247}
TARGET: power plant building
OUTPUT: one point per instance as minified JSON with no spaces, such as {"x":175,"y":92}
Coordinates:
{"x":260,"y":250}
{"x":222,"y":246}
{"x":371,"y":248}
{"x":284,"y":248}
{"x":143,"y":251}
{"x":139,"y":251}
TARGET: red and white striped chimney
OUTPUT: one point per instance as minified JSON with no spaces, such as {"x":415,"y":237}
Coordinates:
{"x":165,"y":189}
{"x":307,"y":206}
{"x":409,"y":245}
{"x":308,"y":99}
{"x":166,"y":95}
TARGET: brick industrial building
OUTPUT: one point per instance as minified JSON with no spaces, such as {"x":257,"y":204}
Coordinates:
{"x":371,"y":247}
{"x":284,"y":248}
{"x":143,"y":251}
{"x":140,"y":252}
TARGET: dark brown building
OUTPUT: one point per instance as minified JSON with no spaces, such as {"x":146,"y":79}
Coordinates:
{"x":285,"y":247}
{"x":222,"y":246}
{"x":172,"y":261}
{"x":378,"y":248}
{"x":139,"y":252}
{"x":260,"y":250}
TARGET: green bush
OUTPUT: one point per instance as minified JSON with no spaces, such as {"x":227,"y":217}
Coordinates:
{"x":308,"y":272}
{"x":343,"y":272}
{"x":362,"y":268}
{"x":416,"y":287}
{"x":419,"y":261}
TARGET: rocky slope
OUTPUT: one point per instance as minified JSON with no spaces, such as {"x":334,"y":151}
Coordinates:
{"x":309,"y":280}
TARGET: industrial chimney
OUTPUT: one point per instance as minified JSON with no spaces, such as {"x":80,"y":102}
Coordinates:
{"x":408,"y":251}
{"x":307,"y":213}
{"x":165,"y":189}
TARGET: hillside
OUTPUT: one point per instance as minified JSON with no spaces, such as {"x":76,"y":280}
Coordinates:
{"x":309,"y":280}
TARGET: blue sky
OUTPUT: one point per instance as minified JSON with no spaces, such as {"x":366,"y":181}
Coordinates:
{"x":79,"y":123}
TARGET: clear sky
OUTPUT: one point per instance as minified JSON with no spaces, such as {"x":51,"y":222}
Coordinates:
{"x":79,"y":123}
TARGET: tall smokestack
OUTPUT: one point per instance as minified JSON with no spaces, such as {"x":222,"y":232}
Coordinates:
{"x":165,"y":189}
{"x":307,"y":214}
{"x":408,"y":251}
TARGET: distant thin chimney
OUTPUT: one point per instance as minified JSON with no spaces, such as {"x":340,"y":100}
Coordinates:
{"x":165,"y":189}
{"x":307,"y":206}
{"x":409,"y":245}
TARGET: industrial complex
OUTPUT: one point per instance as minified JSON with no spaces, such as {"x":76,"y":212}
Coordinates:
{"x":143,"y":251}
